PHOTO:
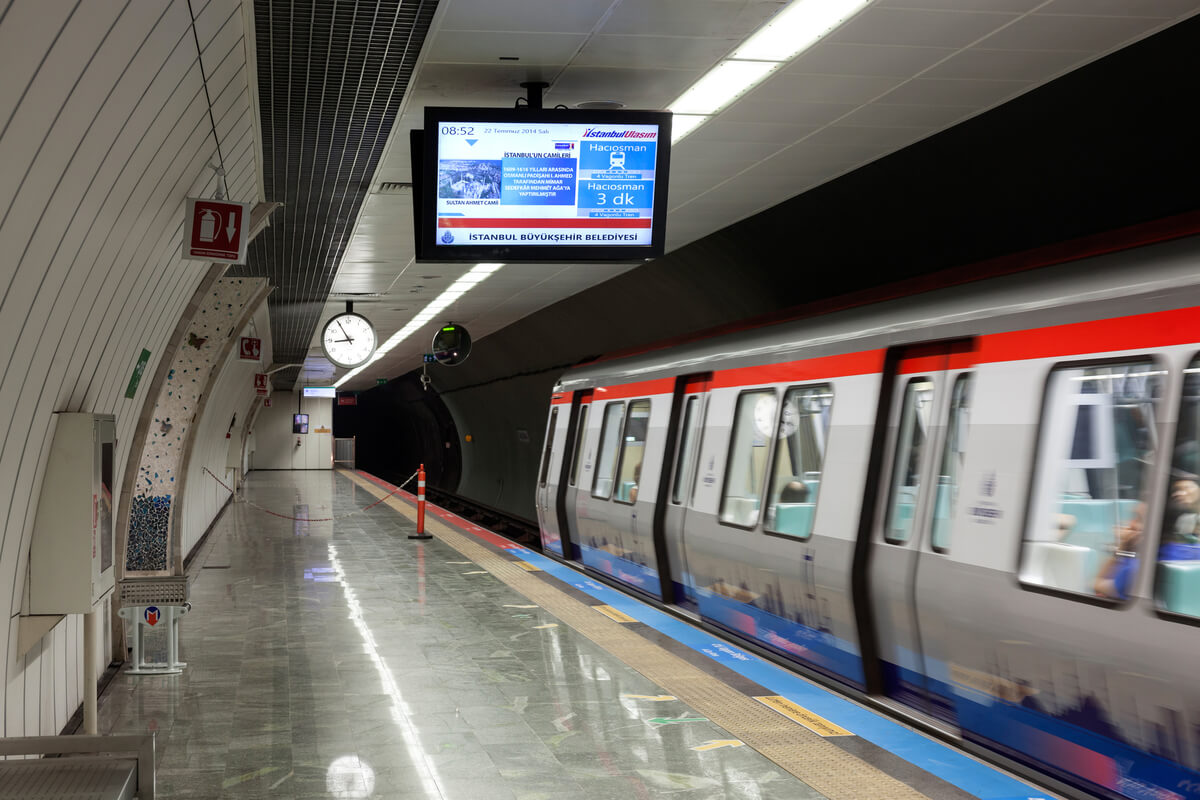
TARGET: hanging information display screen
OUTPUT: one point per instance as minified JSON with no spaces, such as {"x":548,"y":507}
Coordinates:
{"x":543,"y":185}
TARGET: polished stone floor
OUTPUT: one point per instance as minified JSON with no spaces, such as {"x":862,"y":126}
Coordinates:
{"x":341,"y":659}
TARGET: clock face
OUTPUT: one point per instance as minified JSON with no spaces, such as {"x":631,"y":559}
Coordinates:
{"x":348,"y":340}
{"x":764,"y":414}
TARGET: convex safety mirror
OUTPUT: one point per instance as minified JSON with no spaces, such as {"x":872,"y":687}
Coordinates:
{"x":451,"y":345}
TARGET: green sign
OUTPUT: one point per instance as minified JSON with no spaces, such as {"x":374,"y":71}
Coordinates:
{"x":136,"y":377}
{"x":381,"y":381}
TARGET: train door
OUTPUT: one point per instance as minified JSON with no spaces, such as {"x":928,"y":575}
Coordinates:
{"x":574,"y":457}
{"x":679,"y":478}
{"x":912,"y":512}
{"x":547,"y":485}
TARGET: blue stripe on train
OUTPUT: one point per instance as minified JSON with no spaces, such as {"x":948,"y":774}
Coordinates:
{"x":935,"y":758}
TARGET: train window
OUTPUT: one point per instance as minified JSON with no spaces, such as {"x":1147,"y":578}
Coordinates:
{"x":799,"y":455}
{"x":549,"y":446}
{"x":687,"y":448}
{"x":633,"y":450}
{"x":1177,"y":583}
{"x":580,"y":435}
{"x":950,"y":471}
{"x":906,"y":471}
{"x":1096,"y":445}
{"x":610,"y":443}
{"x":746,"y":468}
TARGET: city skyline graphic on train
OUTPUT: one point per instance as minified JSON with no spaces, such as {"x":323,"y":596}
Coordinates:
{"x":469,"y":180}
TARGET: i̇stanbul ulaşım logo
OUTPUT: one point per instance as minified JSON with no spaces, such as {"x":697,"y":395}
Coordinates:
{"x":447,"y":237}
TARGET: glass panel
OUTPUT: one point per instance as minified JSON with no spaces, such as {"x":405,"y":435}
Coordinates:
{"x":633,"y":450}
{"x":1178,"y":579}
{"x":549,"y":446}
{"x":953,"y":454}
{"x":745,"y":471}
{"x":687,"y":449}
{"x":910,"y":448}
{"x":1096,"y":445}
{"x":610,"y":442}
{"x":580,"y":435}
{"x":799,"y":455}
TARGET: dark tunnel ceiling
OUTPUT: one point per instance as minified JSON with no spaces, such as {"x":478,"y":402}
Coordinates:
{"x":331,"y":78}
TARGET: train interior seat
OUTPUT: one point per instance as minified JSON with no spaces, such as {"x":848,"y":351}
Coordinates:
{"x":740,"y":510}
{"x":940,"y":536}
{"x":603,"y":485}
{"x":1065,"y":566}
{"x":902,"y":514}
{"x":1181,"y":587}
{"x":795,"y":519}
{"x":624,"y":490}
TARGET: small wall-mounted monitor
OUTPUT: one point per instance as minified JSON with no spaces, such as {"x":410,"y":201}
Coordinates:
{"x":557,"y":185}
{"x":319,"y":391}
{"x":299,"y":423}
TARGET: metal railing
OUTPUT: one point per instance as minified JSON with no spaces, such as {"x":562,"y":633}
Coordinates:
{"x":343,"y":452}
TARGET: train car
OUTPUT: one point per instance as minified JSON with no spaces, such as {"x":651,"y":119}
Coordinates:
{"x":979,"y":505}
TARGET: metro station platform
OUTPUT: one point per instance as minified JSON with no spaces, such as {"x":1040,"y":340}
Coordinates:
{"x":339,"y":658}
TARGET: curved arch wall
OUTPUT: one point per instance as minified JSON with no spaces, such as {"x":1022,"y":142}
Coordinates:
{"x":104,"y":131}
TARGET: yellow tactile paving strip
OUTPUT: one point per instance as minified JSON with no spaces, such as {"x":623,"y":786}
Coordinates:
{"x":819,"y":763}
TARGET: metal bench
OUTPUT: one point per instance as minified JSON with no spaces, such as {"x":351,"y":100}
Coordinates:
{"x":80,"y":777}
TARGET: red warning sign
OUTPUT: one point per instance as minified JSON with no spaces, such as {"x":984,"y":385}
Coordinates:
{"x":260,"y":386}
{"x":216,"y":230}
{"x":251,"y":349}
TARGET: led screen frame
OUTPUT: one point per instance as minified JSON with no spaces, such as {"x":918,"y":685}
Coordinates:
{"x":428,"y":247}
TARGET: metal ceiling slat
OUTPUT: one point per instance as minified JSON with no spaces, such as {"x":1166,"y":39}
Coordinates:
{"x":325,"y":122}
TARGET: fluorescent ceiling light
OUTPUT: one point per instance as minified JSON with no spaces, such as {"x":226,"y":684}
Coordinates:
{"x":796,"y":28}
{"x":786,"y":35}
{"x":683,"y":124}
{"x":476,"y":275}
{"x":723,"y":84}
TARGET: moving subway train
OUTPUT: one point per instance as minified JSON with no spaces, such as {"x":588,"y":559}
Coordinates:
{"x":981,"y":503}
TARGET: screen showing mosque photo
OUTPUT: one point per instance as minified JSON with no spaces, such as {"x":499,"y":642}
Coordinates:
{"x":543,"y":185}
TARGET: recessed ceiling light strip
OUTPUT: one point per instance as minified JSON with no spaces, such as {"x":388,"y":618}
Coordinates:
{"x":789,"y":33}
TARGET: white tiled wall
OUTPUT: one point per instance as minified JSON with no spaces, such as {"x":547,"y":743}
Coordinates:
{"x":275,"y":446}
{"x":104,"y":131}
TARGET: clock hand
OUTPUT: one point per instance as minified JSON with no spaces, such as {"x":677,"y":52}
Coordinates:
{"x":348,"y":339}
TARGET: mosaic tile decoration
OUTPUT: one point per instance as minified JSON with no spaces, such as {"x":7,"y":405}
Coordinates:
{"x":195,"y":359}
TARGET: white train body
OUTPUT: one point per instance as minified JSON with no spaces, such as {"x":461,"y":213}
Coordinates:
{"x":966,"y":471}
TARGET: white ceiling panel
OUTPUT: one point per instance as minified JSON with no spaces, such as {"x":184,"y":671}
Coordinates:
{"x":487,"y":47}
{"x":953,"y":92}
{"x":576,"y":16}
{"x":863,"y":136}
{"x":718,"y":18}
{"x":722,"y":130}
{"x":634,"y":87}
{"x":1086,"y":34}
{"x":1164,"y":9}
{"x":896,"y":73}
{"x":645,"y":52}
{"x":751,"y":109}
{"x":890,"y":61}
{"x":492,"y":85}
{"x":899,"y":116}
{"x":790,"y":87}
{"x":1009,"y":65}
{"x":1005,"y":6}
{"x":896,"y":26}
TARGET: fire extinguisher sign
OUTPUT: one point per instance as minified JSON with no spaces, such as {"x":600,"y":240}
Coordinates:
{"x":216,"y":230}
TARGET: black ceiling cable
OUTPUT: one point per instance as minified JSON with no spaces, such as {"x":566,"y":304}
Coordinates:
{"x":208,"y":97}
